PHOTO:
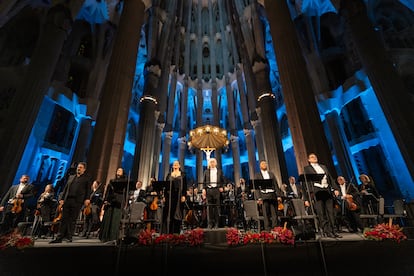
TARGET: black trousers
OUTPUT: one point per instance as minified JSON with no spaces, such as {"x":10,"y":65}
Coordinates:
{"x":213,"y":207}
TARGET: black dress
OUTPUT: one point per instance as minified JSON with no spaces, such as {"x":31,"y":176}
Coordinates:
{"x":111,"y":220}
{"x":173,"y":207}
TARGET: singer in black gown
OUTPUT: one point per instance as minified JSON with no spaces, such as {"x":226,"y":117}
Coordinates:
{"x":174,"y":199}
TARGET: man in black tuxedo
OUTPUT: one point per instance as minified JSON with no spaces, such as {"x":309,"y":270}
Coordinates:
{"x":293,"y":189}
{"x":75,"y":194}
{"x":13,"y":204}
{"x":139,"y":194}
{"x":322,"y":192}
{"x":268,"y":196}
{"x":213,"y":183}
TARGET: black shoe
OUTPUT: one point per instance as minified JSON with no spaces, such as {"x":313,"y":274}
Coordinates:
{"x":56,"y":241}
{"x":336,"y":235}
{"x":330,"y":235}
{"x":69,"y":240}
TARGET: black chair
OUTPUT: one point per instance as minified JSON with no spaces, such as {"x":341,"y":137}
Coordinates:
{"x":305,"y":226}
{"x":373,"y":216}
{"x":252,"y":214}
{"x":397,"y":212}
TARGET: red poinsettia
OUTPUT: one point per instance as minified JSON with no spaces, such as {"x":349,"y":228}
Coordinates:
{"x":385,"y":231}
{"x":192,"y":237}
{"x":15,"y":239}
{"x":276,"y":235}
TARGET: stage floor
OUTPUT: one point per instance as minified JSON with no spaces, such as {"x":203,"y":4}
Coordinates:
{"x":218,"y":233}
{"x":350,"y":255}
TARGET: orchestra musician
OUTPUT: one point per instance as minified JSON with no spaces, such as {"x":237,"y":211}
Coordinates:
{"x":369,"y":193}
{"x":139,"y":194}
{"x":154,"y":202}
{"x":45,"y":210}
{"x":92,"y":209}
{"x":229,"y":205}
{"x":242,"y":193}
{"x":13,"y":205}
{"x":351,"y":201}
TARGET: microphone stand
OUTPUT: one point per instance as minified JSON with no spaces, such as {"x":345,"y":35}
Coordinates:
{"x":169,"y":204}
{"x":258,"y":227}
{"x":311,"y":202}
{"x":316,"y":224}
{"x":125,"y":204}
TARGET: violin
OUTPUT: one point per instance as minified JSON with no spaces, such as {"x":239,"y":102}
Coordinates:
{"x":280,"y":206}
{"x":351,"y":205}
{"x":154,"y":204}
{"x":54,"y":227}
{"x":17,"y":206}
{"x":87,"y":210}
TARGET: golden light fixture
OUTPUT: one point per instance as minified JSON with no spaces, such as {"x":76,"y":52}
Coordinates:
{"x":208,"y":138}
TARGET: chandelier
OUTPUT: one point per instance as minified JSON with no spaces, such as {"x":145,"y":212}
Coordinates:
{"x":208,"y":138}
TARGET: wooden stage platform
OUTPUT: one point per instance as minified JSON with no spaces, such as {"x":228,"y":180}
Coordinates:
{"x":350,"y":255}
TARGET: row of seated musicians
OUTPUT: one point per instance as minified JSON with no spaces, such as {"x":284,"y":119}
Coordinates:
{"x":232,"y":213}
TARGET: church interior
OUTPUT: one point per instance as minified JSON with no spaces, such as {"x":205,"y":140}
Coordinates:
{"x":140,"y":84}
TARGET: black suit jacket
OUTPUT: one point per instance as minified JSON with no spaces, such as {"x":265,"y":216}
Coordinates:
{"x":275,"y":185}
{"x":77,"y":188}
{"x":310,"y":170}
{"x":221,"y":180}
{"x":351,"y":189}
{"x":289,"y":190}
{"x":27,"y":192}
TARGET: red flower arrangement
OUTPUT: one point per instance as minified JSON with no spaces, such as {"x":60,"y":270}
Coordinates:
{"x":276,"y":235}
{"x":16,"y":240}
{"x":192,"y":237}
{"x":385,"y":231}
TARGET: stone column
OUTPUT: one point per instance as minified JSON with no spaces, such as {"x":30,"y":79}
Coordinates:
{"x":346,"y":162}
{"x":247,"y":128}
{"x":387,"y":84}
{"x":82,"y":143}
{"x":234,"y":139}
{"x":16,"y":128}
{"x":107,"y":146}
{"x":301,"y":108}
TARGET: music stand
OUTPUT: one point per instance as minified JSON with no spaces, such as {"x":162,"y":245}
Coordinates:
{"x":314,"y":177}
{"x":120,"y":185}
{"x":160,"y":185}
{"x":311,"y":177}
{"x":164,"y":186}
{"x":263,"y":184}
